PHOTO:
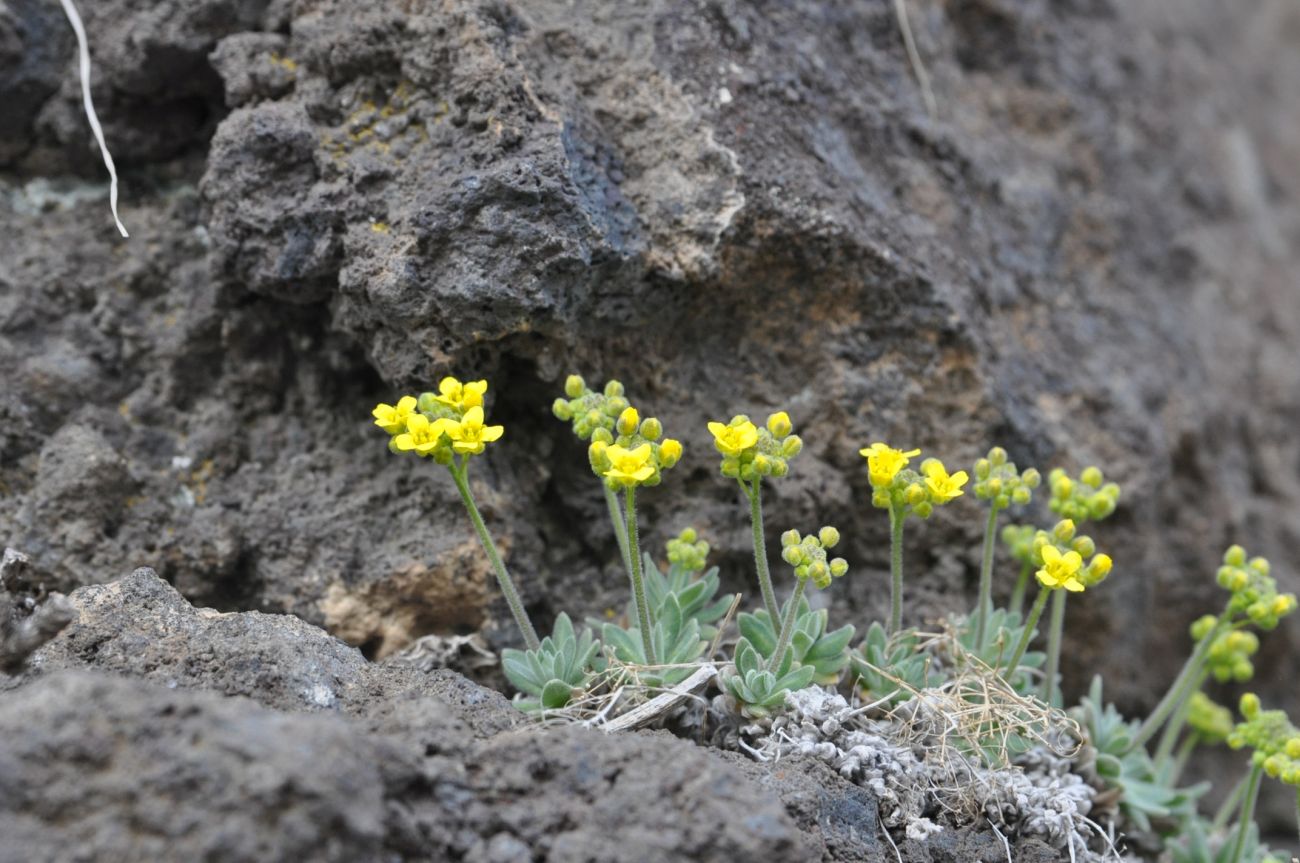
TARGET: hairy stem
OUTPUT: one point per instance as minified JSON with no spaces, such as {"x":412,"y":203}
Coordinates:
{"x":1055,"y":628}
{"x":1034,"y":613}
{"x":620,"y":527}
{"x":985,"y":607}
{"x":460,"y":474}
{"x":1180,"y":759}
{"x":787,"y":627}
{"x":1017,"y":603}
{"x":638,"y":585}
{"x":1177,"y":690}
{"x":1247,"y":816}
{"x":896,"y":519}
{"x":755,"y":495}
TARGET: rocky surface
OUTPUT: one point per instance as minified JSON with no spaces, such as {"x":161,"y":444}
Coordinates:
{"x":150,"y":729}
{"x":1087,"y":254}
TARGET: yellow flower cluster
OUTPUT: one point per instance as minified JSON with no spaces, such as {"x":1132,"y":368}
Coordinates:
{"x":749,"y":452}
{"x":439,"y":425}
{"x":895,"y":485}
{"x":1275,"y":740}
{"x":636,"y":456}
{"x":1061,"y":557}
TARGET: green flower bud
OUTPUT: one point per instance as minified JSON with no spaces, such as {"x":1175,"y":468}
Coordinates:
{"x":1203,"y":625}
{"x":651,"y":429}
{"x":1020,"y":496}
{"x":1002,"y":501}
{"x":1031,"y":477}
{"x":597,"y":456}
{"x":839,"y":566}
{"x":1085,"y":546}
{"x":982,"y":469}
{"x":880,"y":498}
{"x":562,"y":410}
{"x":915,"y":493}
{"x":792,"y":554}
{"x":923,"y":509}
{"x":1242,"y":670}
{"x":1091,"y":477}
{"x":1235,"y":556}
{"x":1249,"y":706}
{"x":997,"y":456}
{"x":1110,"y":490}
{"x":730,"y":467}
{"x":791,"y":446}
{"x":594,"y":419}
{"x":574,"y":386}
{"x":780,"y":467}
{"x":994,"y":487}
{"x":1260,"y":565}
{"x":1099,"y":507}
{"x":1062,"y":486}
{"x":791,"y":537}
{"x":426,"y":403}
{"x":763,"y":465}
{"x":801,"y":572}
{"x":828,"y":536}
{"x":670,"y":452}
{"x":1064,"y":530}
{"x":392,"y":445}
{"x":443,"y":455}
{"x":747,"y":471}
{"x":603,"y":435}
{"x":613,"y":390}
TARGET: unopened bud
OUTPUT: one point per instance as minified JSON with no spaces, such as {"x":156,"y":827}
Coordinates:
{"x":839,"y":566}
{"x":651,"y":429}
{"x":923,"y":509}
{"x":574,"y":386}
{"x":613,"y":390}
{"x":791,"y":537}
{"x":1031,"y":477}
{"x":1020,"y":496}
{"x":791,"y":446}
{"x":426,"y":403}
{"x":603,"y":435}
{"x":1085,"y":546}
{"x":792,"y":554}
{"x":1235,"y":556}
{"x":779,"y":424}
{"x":828,"y":536}
{"x":731,"y":467}
{"x":780,"y":467}
{"x":997,"y":456}
{"x":1249,"y":705}
{"x":1091,"y":477}
{"x":628,"y":421}
{"x":915,"y":493}
{"x":1064,"y":530}
{"x":982,"y":469}
{"x":670,"y":452}
{"x":562,"y":410}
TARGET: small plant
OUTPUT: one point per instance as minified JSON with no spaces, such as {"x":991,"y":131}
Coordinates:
{"x":693,"y":588}
{"x":904,"y":492}
{"x":892,"y":667}
{"x":674,"y":645}
{"x":560,"y":667}
{"x":811,"y":643}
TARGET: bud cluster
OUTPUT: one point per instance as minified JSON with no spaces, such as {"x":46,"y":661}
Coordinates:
{"x":1212,"y":722}
{"x":1229,"y":656}
{"x":1254,"y":590}
{"x":807,"y":554}
{"x":1274,"y":738}
{"x":1072,"y":551}
{"x":587,"y":409}
{"x":749,"y":452}
{"x":687,"y":551}
{"x":998,"y":480}
{"x":1088,"y":498}
{"x":1019,"y":540}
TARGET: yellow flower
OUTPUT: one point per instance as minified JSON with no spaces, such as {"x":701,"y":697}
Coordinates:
{"x":392,"y":418}
{"x":779,"y":424}
{"x":941,"y":485}
{"x":670,"y":452}
{"x":422,"y":435}
{"x":461,"y":397}
{"x":629,"y":467}
{"x":1060,"y":570}
{"x":470,"y":435}
{"x":884,"y":462}
{"x":734,"y":439}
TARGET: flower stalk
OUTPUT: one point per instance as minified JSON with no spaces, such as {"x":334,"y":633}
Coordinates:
{"x":787,"y":627}
{"x":1034,"y":614}
{"x":896,"y":521}
{"x":985,"y":607}
{"x":638,"y":583}
{"x":1055,"y":629}
{"x":1179,"y":690}
{"x":1247,"y":816}
{"x":754,"y":492}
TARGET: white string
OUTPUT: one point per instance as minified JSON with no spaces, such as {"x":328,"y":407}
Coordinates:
{"x":83,"y":52}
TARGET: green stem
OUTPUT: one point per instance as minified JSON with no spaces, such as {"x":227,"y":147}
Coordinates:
{"x":896,"y":519}
{"x":460,"y":474}
{"x":1297,"y":814}
{"x":1180,"y":760}
{"x":620,"y":527}
{"x":1034,"y":613}
{"x":1247,"y":814}
{"x":984,"y":609}
{"x":1176,"y":722}
{"x":638,"y":585}
{"x":1228,"y":805}
{"x":1055,"y":628}
{"x":787,"y":627}
{"x":755,"y":495}
{"x":1195,"y":663}
{"x":1017,"y":603}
